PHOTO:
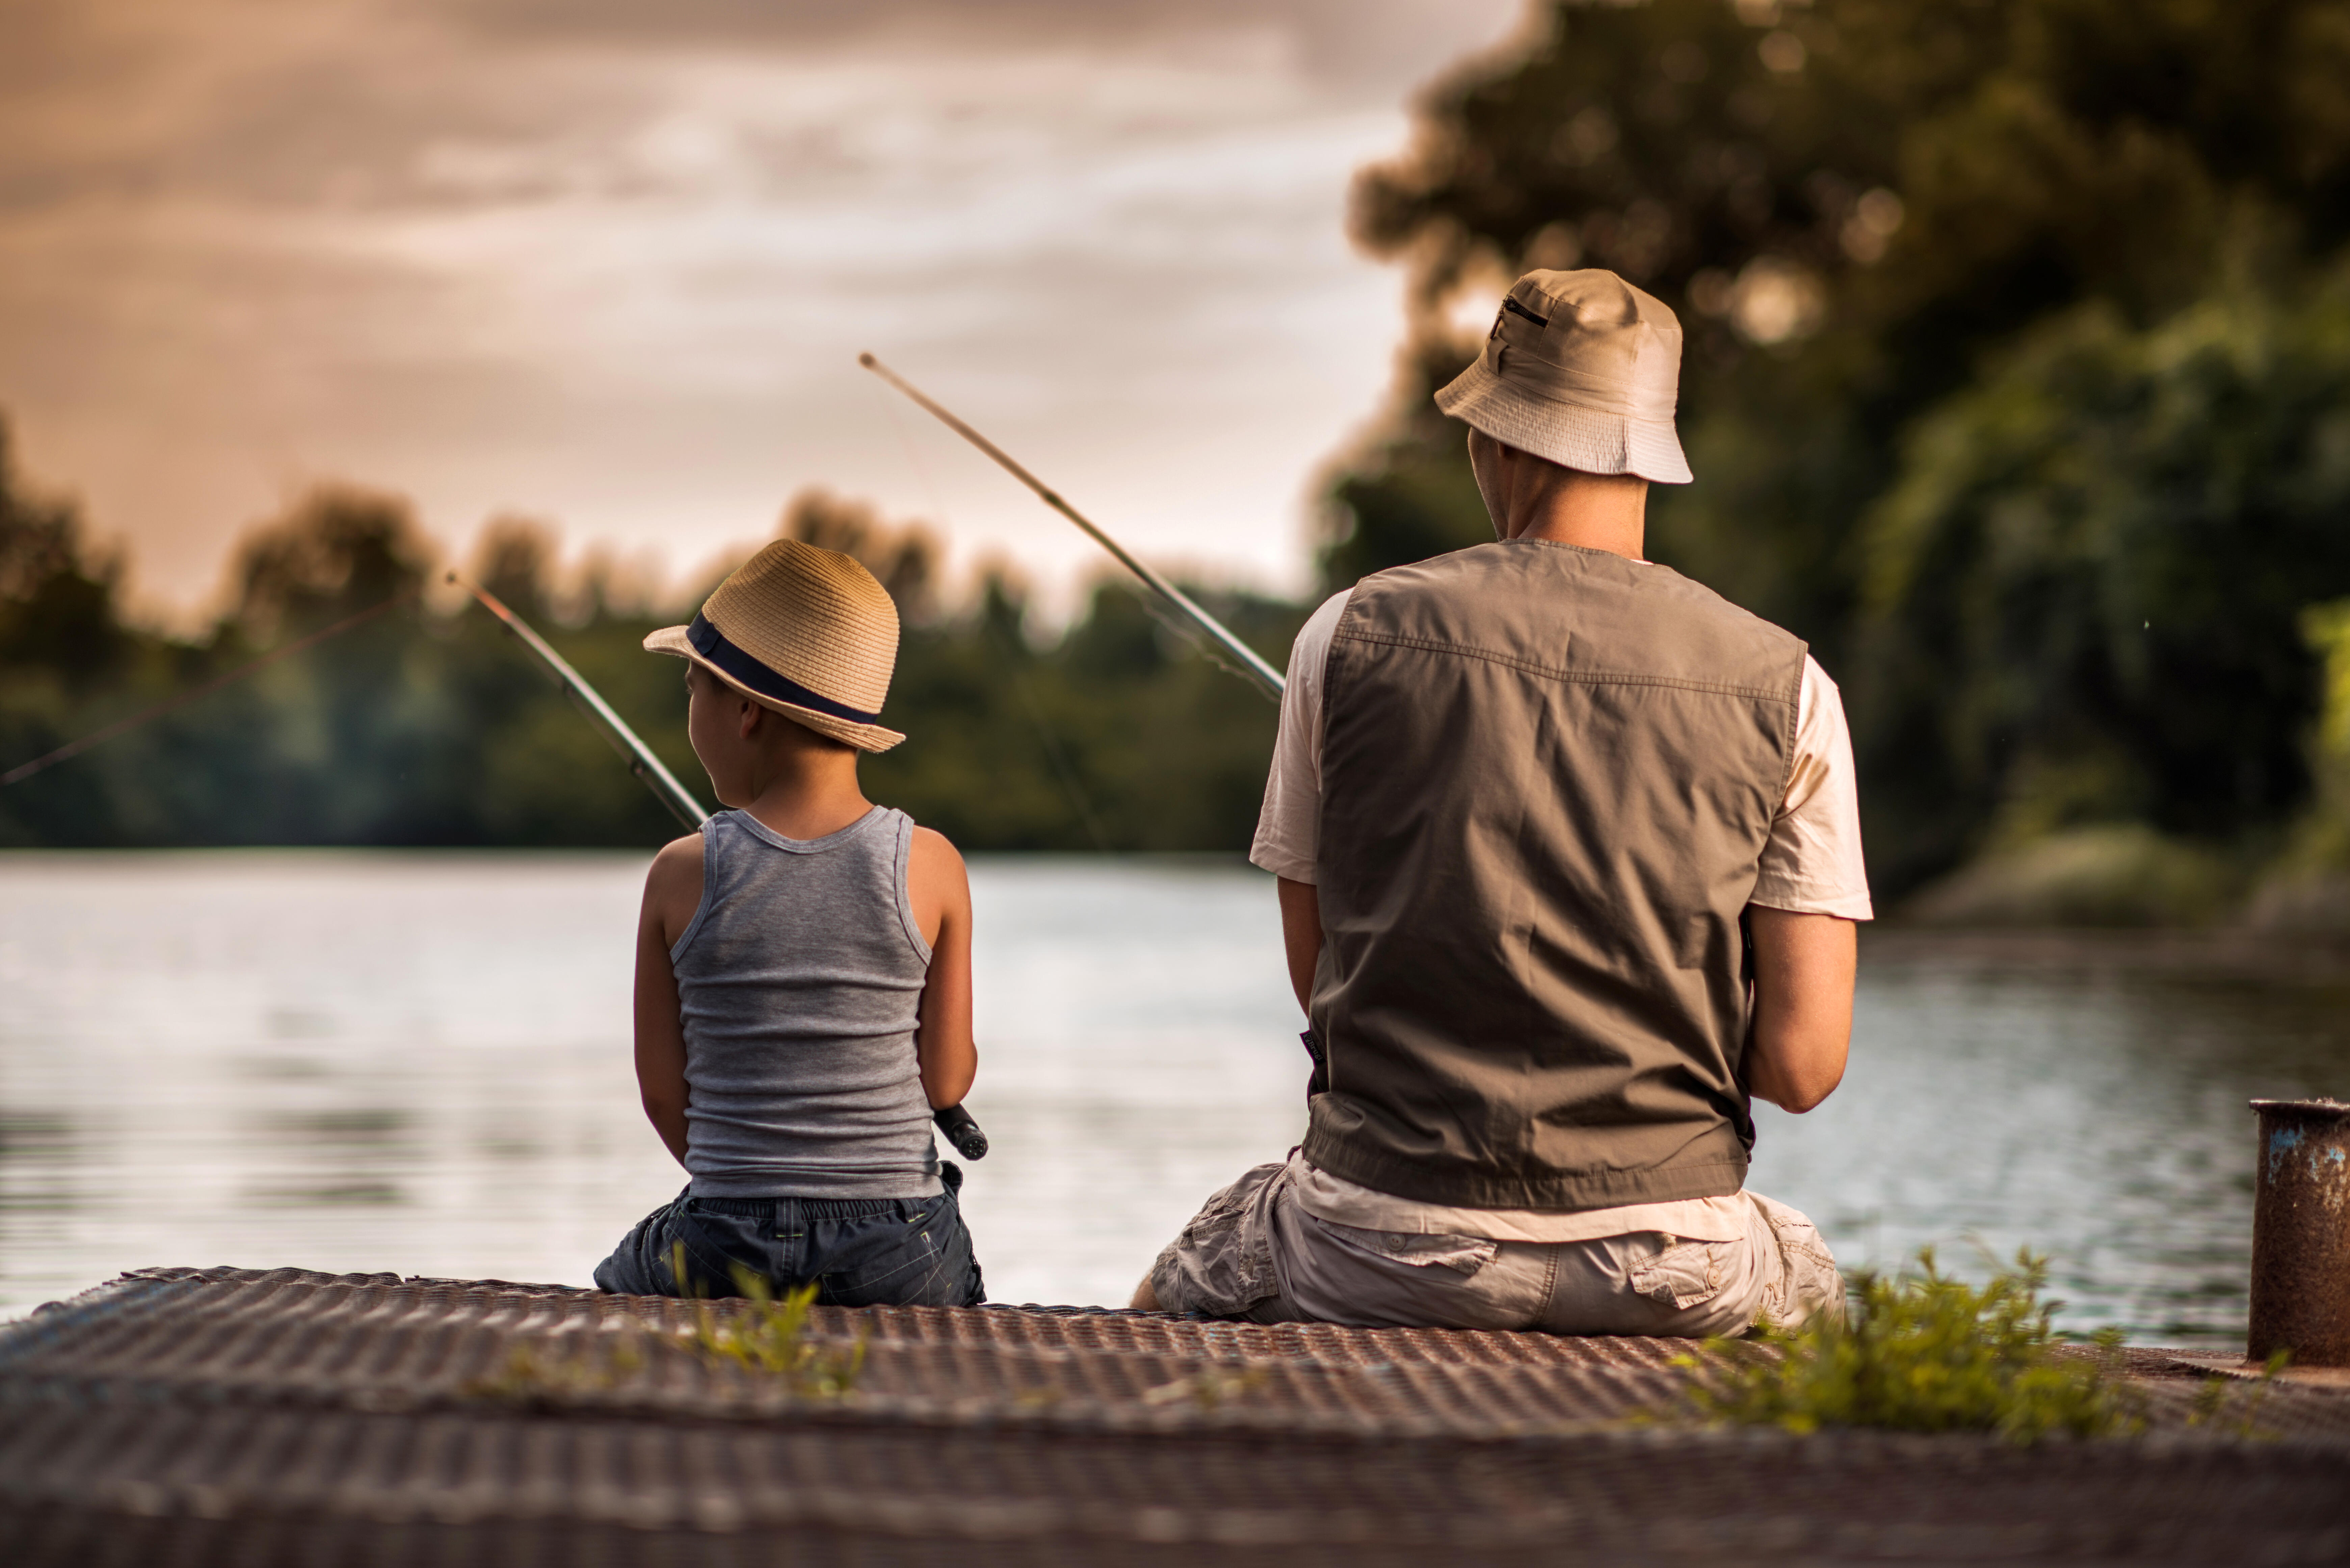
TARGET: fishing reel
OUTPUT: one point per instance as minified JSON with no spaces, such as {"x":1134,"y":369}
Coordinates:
{"x":962,"y":1131}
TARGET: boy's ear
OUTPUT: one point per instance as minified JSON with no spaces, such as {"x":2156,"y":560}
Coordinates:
{"x":752,"y":716}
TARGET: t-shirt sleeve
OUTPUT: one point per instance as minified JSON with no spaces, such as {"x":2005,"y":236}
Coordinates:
{"x":1289,"y":825}
{"x":1811,"y":864}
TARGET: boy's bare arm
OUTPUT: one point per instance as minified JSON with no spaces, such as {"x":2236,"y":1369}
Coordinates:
{"x":672,"y":892}
{"x":940,"y":890}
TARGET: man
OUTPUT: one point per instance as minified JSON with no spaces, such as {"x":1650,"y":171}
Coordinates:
{"x":1569,"y":859}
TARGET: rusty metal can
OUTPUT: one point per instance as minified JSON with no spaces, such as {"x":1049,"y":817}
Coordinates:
{"x":2301,"y":1234}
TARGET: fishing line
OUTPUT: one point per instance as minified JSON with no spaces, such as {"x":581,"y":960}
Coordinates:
{"x":72,"y":749}
{"x":914,"y":458}
{"x":1250,"y":664}
{"x":1052,"y":748}
{"x":1061,"y":770}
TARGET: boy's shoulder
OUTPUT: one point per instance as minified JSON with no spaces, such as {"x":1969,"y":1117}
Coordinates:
{"x":935,"y":874}
{"x":674,"y":887}
{"x":929,"y":842}
{"x":683,"y":850}
{"x":676,"y":867}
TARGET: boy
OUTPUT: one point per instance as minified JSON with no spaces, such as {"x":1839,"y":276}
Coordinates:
{"x":803,"y":995}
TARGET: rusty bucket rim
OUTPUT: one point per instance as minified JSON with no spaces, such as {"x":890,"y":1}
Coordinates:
{"x":2325,"y":1106}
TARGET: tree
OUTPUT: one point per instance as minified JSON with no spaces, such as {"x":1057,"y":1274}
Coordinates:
{"x":2082,"y":600}
{"x":1861,"y":208}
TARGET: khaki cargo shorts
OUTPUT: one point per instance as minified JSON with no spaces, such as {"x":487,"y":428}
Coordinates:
{"x":1253,"y":1252}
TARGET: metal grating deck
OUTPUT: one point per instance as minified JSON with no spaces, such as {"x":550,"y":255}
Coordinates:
{"x":231,"y":1416}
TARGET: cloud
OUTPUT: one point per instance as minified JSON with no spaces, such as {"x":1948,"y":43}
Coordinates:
{"x":1374,"y":47}
{"x":612,"y":264}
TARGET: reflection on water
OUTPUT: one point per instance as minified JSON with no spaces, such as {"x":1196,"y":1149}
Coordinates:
{"x":419,"y":1063}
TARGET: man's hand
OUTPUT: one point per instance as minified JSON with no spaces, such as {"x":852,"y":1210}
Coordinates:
{"x":1803,"y":1006}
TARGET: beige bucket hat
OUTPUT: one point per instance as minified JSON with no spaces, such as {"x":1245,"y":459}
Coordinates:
{"x":808,"y":632}
{"x":1583,"y":368}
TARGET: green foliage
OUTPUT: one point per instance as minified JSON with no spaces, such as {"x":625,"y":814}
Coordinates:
{"x":1210,"y":1389}
{"x":2307,"y":885}
{"x":2325,"y":838}
{"x":2083,"y":597}
{"x":2232,"y":1408}
{"x":2110,"y":875}
{"x":546,"y":1371}
{"x":1923,"y":1352}
{"x":429,"y":727}
{"x":1121,"y":736}
{"x":2013,"y":374}
{"x":57,"y":629}
{"x":772,"y":1339}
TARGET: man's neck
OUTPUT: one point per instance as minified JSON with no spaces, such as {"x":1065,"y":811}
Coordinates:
{"x":1532,"y":498}
{"x":1585,"y":510}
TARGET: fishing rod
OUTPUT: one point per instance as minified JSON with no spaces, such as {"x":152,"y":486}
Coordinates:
{"x":1251,"y":667}
{"x":589,"y":701}
{"x":958,"y":1125}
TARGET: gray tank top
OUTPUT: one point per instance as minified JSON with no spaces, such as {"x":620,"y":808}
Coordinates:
{"x":799,"y":981}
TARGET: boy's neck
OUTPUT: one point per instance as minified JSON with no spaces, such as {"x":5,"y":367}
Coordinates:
{"x":804,"y":795}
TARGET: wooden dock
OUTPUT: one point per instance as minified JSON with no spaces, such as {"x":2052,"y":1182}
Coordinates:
{"x":229,"y":1416}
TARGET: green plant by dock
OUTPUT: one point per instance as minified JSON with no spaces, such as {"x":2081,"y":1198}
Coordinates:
{"x":2232,"y":1409}
{"x":1210,"y":1387}
{"x":1920,"y":1351}
{"x":540,"y":1370}
{"x":771,"y":1339}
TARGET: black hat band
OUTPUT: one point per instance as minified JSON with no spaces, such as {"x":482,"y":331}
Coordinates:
{"x":746,"y":671}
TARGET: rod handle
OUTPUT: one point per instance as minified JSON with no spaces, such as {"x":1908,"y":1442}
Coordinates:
{"x":962,"y":1131}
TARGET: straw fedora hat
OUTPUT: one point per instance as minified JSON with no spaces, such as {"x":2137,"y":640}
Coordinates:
{"x":806,"y":632}
{"x":1583,"y":368}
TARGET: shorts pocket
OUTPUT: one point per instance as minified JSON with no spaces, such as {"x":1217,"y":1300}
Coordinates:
{"x":1687,"y":1275}
{"x":1222,"y":1261}
{"x":1807,"y":1284}
{"x":1464,"y":1255}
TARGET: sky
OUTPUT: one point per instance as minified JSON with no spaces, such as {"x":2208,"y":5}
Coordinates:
{"x":611,"y":264}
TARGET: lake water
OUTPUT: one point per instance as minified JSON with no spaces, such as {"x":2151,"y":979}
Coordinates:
{"x":419,"y":1063}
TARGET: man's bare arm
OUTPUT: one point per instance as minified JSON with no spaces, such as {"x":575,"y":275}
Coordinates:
{"x":672,"y":892}
{"x":1301,"y":936}
{"x":1803,"y":967}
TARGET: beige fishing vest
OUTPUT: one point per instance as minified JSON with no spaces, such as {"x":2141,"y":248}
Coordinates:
{"x":1547,"y":777}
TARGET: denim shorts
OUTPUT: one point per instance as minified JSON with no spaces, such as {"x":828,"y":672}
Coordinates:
{"x":856,"y":1251}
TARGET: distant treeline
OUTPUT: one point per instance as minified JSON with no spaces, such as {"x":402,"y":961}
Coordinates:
{"x":2017,"y":382}
{"x":429,"y":727}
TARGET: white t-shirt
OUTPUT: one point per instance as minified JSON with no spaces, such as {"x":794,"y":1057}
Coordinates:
{"x":1811,"y":865}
